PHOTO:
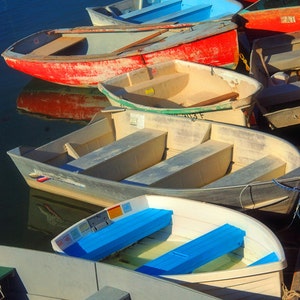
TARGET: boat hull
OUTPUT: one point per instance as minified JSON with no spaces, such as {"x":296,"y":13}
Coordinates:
{"x":218,"y":47}
{"x":155,"y":92}
{"x":191,"y":221}
{"x":268,"y":22}
{"x":277,"y":198}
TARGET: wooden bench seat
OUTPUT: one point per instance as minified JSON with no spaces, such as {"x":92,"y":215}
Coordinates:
{"x":283,"y":61}
{"x":194,"y":167}
{"x":279,"y":94}
{"x":123,"y":157}
{"x":185,"y":15}
{"x":269,"y":258}
{"x":120,"y":234}
{"x":157,"y":85}
{"x":266,"y":168}
{"x":195,"y":253}
{"x":57,"y":45}
{"x":152,"y":11}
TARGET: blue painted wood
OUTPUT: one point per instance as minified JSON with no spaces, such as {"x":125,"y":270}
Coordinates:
{"x":120,"y":234}
{"x":198,"y":12}
{"x":153,"y":11}
{"x":272,"y":257}
{"x":195,"y":253}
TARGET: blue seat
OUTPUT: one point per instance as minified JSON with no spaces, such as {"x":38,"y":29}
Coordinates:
{"x":271,"y":257}
{"x":195,"y":253}
{"x":120,"y":234}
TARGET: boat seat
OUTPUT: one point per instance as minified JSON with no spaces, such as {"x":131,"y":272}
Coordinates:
{"x":271,"y":257}
{"x":159,"y":87}
{"x":152,"y":11}
{"x":111,"y":293}
{"x":279,"y":94}
{"x":283,"y":61}
{"x":197,"y":252}
{"x":123,"y":157}
{"x":188,"y":169}
{"x":120,"y":234}
{"x":185,"y":15}
{"x":56,"y":45}
{"x":266,"y":168}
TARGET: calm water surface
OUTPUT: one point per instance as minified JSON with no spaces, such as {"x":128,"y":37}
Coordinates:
{"x":30,"y":218}
{"x":19,"y":18}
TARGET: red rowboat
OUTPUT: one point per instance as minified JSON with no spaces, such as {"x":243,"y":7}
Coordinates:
{"x":265,"y":18}
{"x":84,"y":56}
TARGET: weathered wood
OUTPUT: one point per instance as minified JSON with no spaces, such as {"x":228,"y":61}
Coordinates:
{"x":123,"y":157}
{"x":295,"y":286}
{"x":110,"y":293}
{"x":140,"y":41}
{"x":57,"y":45}
{"x":266,"y":168}
{"x":188,"y":168}
{"x":231,"y":95}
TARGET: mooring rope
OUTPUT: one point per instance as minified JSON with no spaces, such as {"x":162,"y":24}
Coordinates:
{"x":289,"y":294}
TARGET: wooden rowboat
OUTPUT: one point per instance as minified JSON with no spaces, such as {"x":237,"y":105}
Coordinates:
{"x":44,"y":98}
{"x":275,"y":62}
{"x":269,"y":17}
{"x":133,"y":153}
{"x":177,"y":11}
{"x":184,"y":88}
{"x":84,"y":56}
{"x":31,"y":274}
{"x":220,"y":251}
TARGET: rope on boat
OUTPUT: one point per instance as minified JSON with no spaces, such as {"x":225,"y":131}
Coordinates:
{"x":287,"y":188}
{"x":289,"y":295}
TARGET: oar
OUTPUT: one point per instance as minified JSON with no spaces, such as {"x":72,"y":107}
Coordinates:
{"x":140,"y":41}
{"x":259,"y":52}
{"x":231,"y":95}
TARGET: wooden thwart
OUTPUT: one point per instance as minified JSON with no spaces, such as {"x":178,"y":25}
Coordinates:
{"x":123,"y":157}
{"x":266,"y":168}
{"x":57,"y":45}
{"x":195,"y":253}
{"x":187,"y":169}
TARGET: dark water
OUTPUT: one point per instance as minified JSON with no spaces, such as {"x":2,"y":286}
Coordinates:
{"x":30,"y":218}
{"x":19,"y":18}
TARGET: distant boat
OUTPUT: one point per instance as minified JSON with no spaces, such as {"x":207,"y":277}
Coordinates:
{"x":184,"y":88}
{"x":31,"y":274}
{"x":133,"y":153}
{"x":84,"y":56}
{"x":208,"y":247}
{"x":62,"y":102}
{"x":269,"y":17}
{"x":275,"y":62}
{"x":177,"y":11}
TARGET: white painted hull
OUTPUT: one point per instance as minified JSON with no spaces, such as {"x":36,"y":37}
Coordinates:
{"x":191,"y":219}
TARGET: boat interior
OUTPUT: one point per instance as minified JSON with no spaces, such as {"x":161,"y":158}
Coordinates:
{"x":161,"y":151}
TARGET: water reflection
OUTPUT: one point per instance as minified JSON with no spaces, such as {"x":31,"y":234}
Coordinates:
{"x":50,"y":214}
{"x":63,"y":102}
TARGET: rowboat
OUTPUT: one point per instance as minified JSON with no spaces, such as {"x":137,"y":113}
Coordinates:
{"x":32,"y":274}
{"x":265,"y":18}
{"x":178,"y":11}
{"x":207,"y":247}
{"x":275,"y":62}
{"x":184,"y":88}
{"x":83,"y":56}
{"x":44,"y":98}
{"x":132,"y":153}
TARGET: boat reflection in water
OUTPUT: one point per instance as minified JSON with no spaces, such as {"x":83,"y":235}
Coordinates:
{"x":63,"y":102}
{"x":50,"y":214}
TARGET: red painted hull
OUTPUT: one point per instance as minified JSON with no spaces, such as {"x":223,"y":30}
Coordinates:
{"x":61,"y":102}
{"x":267,"y":22}
{"x":218,"y":50}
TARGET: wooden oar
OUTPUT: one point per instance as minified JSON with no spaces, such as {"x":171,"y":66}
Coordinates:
{"x":140,"y":41}
{"x":231,"y":95}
